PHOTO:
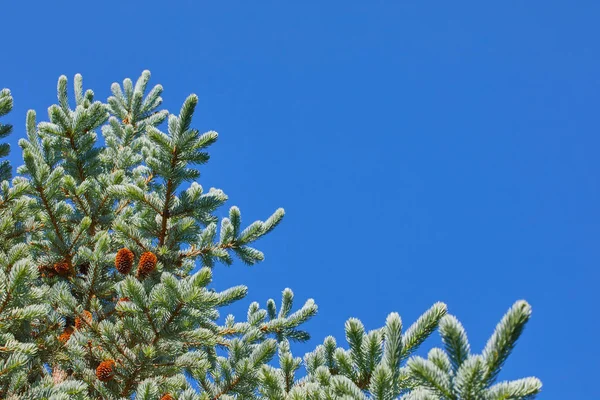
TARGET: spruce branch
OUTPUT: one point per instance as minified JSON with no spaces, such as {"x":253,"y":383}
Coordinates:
{"x":431,"y":377}
{"x":521,"y":389}
{"x":77,"y":320}
{"x":505,"y":337}
{"x":455,"y":340}
{"x":422,"y":328}
{"x":469,"y":382}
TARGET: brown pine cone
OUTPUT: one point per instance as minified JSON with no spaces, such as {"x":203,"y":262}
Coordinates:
{"x":62,"y":268}
{"x":124,"y":261}
{"x":146,"y":265}
{"x":106,"y":370}
{"x":87,"y":317}
{"x":167,"y":396}
{"x":66,"y":335}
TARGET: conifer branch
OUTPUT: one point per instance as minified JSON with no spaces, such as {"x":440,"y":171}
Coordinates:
{"x":51,"y":215}
{"x":80,"y":215}
{"x":227,"y":388}
{"x":168,"y":322}
{"x":165,"y":211}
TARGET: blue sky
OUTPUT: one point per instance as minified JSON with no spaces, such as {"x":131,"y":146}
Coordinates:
{"x":423,"y":151}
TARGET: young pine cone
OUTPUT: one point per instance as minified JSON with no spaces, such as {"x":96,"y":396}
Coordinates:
{"x":124,"y":261}
{"x":66,"y":335}
{"x":167,"y":396}
{"x":106,"y":370}
{"x":146,"y":265}
{"x":86,"y":316}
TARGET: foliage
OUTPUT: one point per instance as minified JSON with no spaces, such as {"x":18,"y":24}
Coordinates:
{"x":107,"y":249}
{"x":454,"y":373}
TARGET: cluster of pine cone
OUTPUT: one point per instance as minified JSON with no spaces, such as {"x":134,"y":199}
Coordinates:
{"x":124,"y":263}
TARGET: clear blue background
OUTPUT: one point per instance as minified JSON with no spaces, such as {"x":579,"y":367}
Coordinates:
{"x":423,"y":151}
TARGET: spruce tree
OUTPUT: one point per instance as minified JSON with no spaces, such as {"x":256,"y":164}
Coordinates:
{"x":107,"y":249}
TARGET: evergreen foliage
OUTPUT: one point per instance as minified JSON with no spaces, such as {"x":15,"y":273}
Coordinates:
{"x":106,"y":256}
{"x":454,"y":373}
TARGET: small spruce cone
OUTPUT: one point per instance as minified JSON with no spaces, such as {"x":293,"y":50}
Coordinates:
{"x":124,"y":261}
{"x":105,"y":371}
{"x":87,"y":316}
{"x":62,"y":268}
{"x":167,"y":396}
{"x":146,"y":265}
{"x":66,"y":335}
